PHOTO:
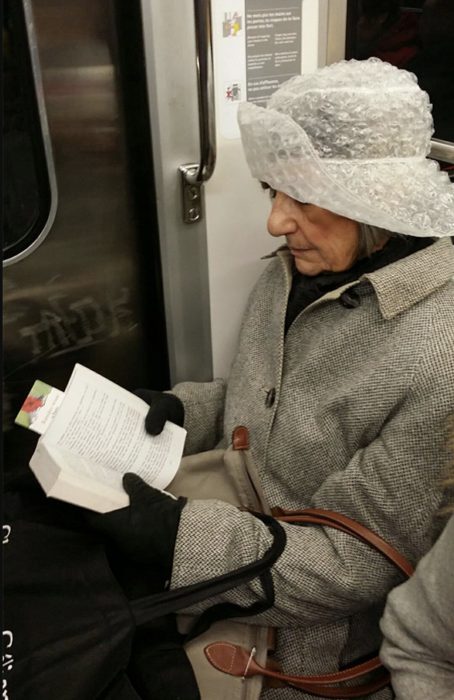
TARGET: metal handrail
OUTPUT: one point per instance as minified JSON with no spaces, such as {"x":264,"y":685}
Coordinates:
{"x":442,"y":150}
{"x":205,"y":88}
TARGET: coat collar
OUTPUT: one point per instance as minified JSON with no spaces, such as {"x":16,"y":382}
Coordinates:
{"x":401,"y":284}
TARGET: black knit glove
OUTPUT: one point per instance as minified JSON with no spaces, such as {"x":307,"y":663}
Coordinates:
{"x":145,"y":531}
{"x":162,"y":407}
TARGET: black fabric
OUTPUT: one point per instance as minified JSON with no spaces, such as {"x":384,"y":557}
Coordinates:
{"x":145,"y":532}
{"x":62,"y":606}
{"x":83,"y":621}
{"x":305,"y":289}
{"x":163,"y":407}
{"x":159,"y":667}
{"x":433,"y":67}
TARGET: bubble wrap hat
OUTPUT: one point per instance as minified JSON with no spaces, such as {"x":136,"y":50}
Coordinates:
{"x":353,"y":138}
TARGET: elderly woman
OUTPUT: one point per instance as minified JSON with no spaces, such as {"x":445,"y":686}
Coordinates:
{"x":344,"y":373}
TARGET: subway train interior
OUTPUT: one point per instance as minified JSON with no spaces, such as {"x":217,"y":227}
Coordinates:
{"x":133,"y":231}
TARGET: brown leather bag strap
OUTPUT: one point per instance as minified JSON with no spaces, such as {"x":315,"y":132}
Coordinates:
{"x":341,"y":522}
{"x":235,"y":660}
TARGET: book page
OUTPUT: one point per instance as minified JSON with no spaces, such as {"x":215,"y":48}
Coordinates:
{"x":104,"y":425}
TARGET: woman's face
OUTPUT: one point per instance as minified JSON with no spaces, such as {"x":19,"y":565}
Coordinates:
{"x":319,"y":240}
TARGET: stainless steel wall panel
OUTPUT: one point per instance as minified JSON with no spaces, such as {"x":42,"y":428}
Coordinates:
{"x":82,"y":296}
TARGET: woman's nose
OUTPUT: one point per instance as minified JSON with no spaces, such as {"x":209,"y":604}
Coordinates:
{"x":281,"y":221}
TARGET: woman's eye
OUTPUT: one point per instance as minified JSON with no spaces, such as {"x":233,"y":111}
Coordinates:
{"x":265,"y":186}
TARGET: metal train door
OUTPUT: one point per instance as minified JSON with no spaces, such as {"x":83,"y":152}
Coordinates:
{"x":82,"y":277}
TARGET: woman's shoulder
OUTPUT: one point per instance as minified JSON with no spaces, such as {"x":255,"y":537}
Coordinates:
{"x":430,"y":331}
{"x":439,"y":306}
{"x":416,"y":283}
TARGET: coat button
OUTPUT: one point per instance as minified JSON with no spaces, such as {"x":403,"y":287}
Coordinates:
{"x":350,"y":299}
{"x":270,"y":397}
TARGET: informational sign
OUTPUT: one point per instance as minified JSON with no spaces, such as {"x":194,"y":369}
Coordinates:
{"x":257,"y":46}
{"x":273,"y":46}
{"x":230,"y":63}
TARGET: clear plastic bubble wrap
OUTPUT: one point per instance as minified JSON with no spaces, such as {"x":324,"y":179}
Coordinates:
{"x":353,"y":138}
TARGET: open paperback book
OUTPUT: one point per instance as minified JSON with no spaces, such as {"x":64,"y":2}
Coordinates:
{"x":92,"y":435}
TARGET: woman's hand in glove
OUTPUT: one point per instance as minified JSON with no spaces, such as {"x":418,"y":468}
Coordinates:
{"x":162,"y":407}
{"x":146,"y":530}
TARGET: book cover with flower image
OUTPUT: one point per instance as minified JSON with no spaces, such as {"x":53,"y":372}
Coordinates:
{"x":39,"y":407}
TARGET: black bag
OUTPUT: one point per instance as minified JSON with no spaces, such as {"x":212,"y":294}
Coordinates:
{"x":74,"y":632}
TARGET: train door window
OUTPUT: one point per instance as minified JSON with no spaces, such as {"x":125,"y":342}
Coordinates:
{"x":417,"y":35}
{"x":29,"y":194}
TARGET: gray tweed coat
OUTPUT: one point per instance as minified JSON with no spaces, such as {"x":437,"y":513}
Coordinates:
{"x":357,"y":425}
{"x":418,"y":626}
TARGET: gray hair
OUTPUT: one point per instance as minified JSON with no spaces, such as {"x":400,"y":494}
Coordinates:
{"x":371,"y":236}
